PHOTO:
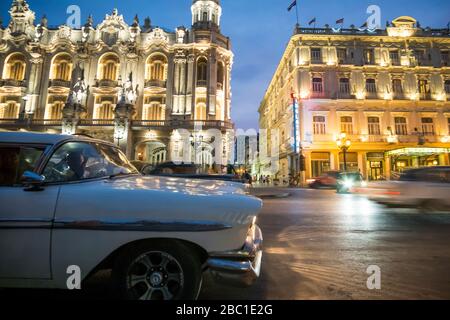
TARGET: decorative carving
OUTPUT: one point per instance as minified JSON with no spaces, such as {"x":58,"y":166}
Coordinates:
{"x":158,"y":35}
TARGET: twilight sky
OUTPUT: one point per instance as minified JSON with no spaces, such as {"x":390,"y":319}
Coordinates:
{"x":259,"y":30}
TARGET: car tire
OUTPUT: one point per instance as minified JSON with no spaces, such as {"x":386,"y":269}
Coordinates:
{"x":158,"y":271}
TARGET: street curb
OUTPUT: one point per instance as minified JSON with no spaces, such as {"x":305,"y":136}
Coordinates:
{"x":273,"y":196}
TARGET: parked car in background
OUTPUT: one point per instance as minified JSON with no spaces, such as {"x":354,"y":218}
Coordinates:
{"x":189,"y":171}
{"x":427,"y":189}
{"x":75,"y":201}
{"x":349,"y":181}
{"x":327,"y":180}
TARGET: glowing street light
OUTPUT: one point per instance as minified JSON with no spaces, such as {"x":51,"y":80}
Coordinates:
{"x":343,"y":143}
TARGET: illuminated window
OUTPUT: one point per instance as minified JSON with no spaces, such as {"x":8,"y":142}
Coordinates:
{"x":54,"y":111}
{"x":428,"y":126}
{"x":319,"y":125}
{"x":157,"y":68}
{"x":347,"y":125}
{"x":448,"y":121}
{"x":61,"y":67}
{"x":109,"y":67}
{"x":316,"y":55}
{"x":154,"y":112}
{"x":395,"y":57}
{"x":371,"y":86}
{"x":200,"y":111}
{"x":374,"y":126}
{"x":15,"y":67}
{"x":9,"y":111}
{"x":317,"y":85}
{"x":105,"y":111}
{"x":401,"y":127}
{"x":344,"y":85}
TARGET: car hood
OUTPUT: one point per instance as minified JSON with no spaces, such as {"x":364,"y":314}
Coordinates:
{"x":159,"y":199}
{"x":178,"y":185}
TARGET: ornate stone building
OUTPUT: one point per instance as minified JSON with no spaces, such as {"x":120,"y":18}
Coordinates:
{"x":161,"y":95}
{"x":386,"y":92}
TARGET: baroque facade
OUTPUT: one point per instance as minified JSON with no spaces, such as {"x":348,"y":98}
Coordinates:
{"x":160,"y":95}
{"x":386,"y":92}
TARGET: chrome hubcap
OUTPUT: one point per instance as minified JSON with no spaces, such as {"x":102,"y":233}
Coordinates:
{"x":155,"y":275}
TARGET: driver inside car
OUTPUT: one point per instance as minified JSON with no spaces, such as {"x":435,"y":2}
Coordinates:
{"x":77,"y":165}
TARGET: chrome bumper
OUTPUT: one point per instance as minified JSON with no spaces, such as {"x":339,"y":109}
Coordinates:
{"x":241,"y":267}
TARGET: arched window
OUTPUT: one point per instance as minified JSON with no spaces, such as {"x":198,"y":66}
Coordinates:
{"x":154,"y":111}
{"x":54,"y":111}
{"x":109,"y":67}
{"x":220,"y":75}
{"x":15,"y":67}
{"x":156,"y":68}
{"x":205,"y":16}
{"x":9,"y":110}
{"x":202,"y":71}
{"x":200,"y":111}
{"x":105,"y":111}
{"x":61,"y":67}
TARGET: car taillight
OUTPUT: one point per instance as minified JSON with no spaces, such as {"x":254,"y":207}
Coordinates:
{"x":392,"y":193}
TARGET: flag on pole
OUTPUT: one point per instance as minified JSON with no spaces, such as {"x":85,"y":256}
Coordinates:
{"x":312,"y":21}
{"x":293,"y":4}
{"x":340,"y":21}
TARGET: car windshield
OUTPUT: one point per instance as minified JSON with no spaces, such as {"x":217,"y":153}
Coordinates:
{"x":75,"y":161}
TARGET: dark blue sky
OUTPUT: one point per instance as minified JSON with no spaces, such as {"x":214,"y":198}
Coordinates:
{"x":259,"y":30}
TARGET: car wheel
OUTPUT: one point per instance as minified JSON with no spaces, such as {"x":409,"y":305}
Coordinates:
{"x":158,"y":271}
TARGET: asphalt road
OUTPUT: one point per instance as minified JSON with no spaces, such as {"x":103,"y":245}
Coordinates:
{"x":318,"y":245}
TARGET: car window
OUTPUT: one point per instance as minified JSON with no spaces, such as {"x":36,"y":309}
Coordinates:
{"x":75,"y":161}
{"x":14,"y":161}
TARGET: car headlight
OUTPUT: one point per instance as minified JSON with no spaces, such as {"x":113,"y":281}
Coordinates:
{"x":348,"y":183}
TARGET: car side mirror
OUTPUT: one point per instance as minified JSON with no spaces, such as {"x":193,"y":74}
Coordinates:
{"x":32,"y":181}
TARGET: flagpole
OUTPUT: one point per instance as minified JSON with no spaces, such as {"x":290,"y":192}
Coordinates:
{"x":296,"y":12}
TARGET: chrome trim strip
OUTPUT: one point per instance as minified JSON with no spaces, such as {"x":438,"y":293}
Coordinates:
{"x":25,"y":223}
{"x":141,"y":225}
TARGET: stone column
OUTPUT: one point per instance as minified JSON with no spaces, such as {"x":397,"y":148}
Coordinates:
{"x":212,"y":84}
{"x":34,"y":85}
{"x":190,"y":88}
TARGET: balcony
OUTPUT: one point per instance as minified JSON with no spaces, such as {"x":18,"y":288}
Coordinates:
{"x":59,"y":83}
{"x":425,"y":96}
{"x":181,"y":124}
{"x":398,"y":96}
{"x":13,"y":83}
{"x":96,"y":123}
{"x":371,"y":95}
{"x":106,"y":83}
{"x":161,"y":84}
{"x":30,"y":123}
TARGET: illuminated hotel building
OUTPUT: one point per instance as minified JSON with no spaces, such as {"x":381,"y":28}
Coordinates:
{"x":146,"y":88}
{"x":387,"y":90}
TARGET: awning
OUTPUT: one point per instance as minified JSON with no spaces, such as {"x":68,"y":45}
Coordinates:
{"x":417,"y":151}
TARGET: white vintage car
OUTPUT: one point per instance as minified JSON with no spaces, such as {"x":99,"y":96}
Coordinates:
{"x":75,"y":201}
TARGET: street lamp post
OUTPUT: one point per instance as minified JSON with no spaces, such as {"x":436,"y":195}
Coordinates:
{"x":344,"y":144}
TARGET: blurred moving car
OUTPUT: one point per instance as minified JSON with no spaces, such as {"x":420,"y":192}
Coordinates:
{"x":187,"y":171}
{"x":349,"y":181}
{"x":326,"y":181}
{"x":76,"y":203}
{"x":427,"y":189}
